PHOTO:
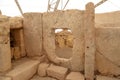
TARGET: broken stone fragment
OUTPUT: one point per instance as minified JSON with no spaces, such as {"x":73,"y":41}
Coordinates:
{"x":57,"y":72}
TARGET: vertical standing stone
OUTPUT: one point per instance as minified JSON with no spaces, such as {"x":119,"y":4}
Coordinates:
{"x":89,"y":42}
{"x":5,"y":56}
{"x":22,"y":45}
{"x":33,"y":34}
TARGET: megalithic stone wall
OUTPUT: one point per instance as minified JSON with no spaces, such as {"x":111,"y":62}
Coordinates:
{"x":33,"y":34}
{"x":5,"y":55}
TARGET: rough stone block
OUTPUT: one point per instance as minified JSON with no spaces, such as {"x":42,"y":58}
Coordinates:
{"x":24,"y":71}
{"x":57,"y":72}
{"x":5,"y":57}
{"x":75,"y":76}
{"x":42,"y":69}
{"x":5,"y":78}
{"x":105,"y":78}
{"x":106,"y":66}
{"x":16,"y":53}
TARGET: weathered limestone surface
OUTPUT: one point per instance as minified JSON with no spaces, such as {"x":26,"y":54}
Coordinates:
{"x":5,"y":78}
{"x":106,"y":66}
{"x":15,"y":52}
{"x":74,"y":76}
{"x":108,"y":50}
{"x":105,"y":78}
{"x":90,"y":47}
{"x":42,"y":78}
{"x":112,"y":18}
{"x":24,"y":71}
{"x":42,"y":69}
{"x":5,"y":56}
{"x":73,"y":20}
{"x":33,"y":33}
{"x":57,"y":72}
{"x":16,"y":22}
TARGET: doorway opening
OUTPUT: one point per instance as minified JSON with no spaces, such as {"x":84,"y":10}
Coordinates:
{"x":17,"y":44}
{"x":63,"y":42}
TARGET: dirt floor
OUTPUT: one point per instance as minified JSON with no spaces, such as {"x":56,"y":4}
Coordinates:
{"x":64,"y":52}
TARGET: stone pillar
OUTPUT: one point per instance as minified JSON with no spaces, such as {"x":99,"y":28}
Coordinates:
{"x":89,"y":41}
{"x":22,"y":45}
{"x":5,"y":55}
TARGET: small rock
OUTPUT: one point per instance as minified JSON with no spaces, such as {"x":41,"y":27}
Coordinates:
{"x":57,"y":72}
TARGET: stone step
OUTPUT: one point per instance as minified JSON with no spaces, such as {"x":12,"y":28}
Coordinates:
{"x":105,"y":78}
{"x":24,"y":71}
{"x":74,"y":76}
{"x":57,"y":72}
{"x":36,"y":77}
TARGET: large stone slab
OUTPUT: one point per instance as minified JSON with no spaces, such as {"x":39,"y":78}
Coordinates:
{"x":42,"y":69}
{"x":108,"y":43}
{"x":74,"y":76}
{"x":24,"y":71}
{"x":105,"y":78}
{"x":33,"y":34}
{"x":5,"y":57}
{"x":16,"y":22}
{"x":57,"y":72}
{"x":106,"y":66}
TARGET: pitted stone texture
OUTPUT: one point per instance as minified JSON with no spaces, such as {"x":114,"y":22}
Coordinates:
{"x":42,"y":69}
{"x":5,"y":78}
{"x":5,"y":57}
{"x":33,"y":34}
{"x":107,"y":36}
{"x":16,"y":22}
{"x":105,"y":66}
{"x":24,"y":71}
{"x":105,"y":78}
{"x":42,"y":78}
{"x":74,"y":76}
{"x":57,"y":72}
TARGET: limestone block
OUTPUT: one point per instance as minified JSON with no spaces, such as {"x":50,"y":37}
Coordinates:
{"x":90,"y":47}
{"x":105,"y":78}
{"x":105,"y":66}
{"x":74,"y":76}
{"x":110,"y":38}
{"x":24,"y":71}
{"x":73,"y":20}
{"x":3,"y":18}
{"x":16,"y":22}
{"x":33,"y":34}
{"x":5,"y":78}
{"x":5,"y":57}
{"x":16,"y":53}
{"x":57,"y":72}
{"x":42,"y":69}
{"x":22,"y":44}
